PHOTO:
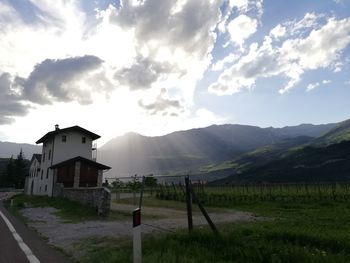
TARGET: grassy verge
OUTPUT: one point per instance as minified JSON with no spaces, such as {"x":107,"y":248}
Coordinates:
{"x":69,"y":211}
{"x":300,"y":232}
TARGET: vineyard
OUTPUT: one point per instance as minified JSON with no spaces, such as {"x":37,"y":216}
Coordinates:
{"x":300,"y":222}
{"x":228,"y":195}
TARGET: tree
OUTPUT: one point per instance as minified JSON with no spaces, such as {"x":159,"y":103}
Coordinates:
{"x":9,"y":173}
{"x":15,"y":171}
{"x":3,"y":171}
{"x":150,"y":181}
{"x":21,"y":170}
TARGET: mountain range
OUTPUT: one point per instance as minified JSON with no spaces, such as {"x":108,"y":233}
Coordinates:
{"x":223,"y":153}
{"x":324,"y":159}
{"x":8,"y":149}
{"x":188,"y":151}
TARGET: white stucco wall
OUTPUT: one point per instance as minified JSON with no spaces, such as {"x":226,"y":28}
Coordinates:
{"x":33,"y":177}
{"x":72,"y":147}
{"x":55,"y":151}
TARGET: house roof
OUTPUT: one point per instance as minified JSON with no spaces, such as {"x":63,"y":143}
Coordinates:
{"x":83,"y":160}
{"x":37,"y":157}
{"x":73,"y":128}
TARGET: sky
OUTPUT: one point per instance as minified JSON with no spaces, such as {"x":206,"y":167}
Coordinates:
{"x":154,"y":67}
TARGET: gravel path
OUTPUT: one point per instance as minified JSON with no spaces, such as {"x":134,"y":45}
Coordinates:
{"x":64,"y":235}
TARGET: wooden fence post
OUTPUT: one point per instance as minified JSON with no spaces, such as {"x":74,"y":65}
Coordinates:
{"x":141,"y":192}
{"x":204,"y":212}
{"x":189,"y":204}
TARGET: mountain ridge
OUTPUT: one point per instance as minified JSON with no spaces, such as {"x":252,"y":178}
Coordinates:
{"x":190,"y":149}
{"x":325,"y":158}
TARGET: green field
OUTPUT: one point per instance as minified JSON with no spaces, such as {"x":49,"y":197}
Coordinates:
{"x":303,"y":224}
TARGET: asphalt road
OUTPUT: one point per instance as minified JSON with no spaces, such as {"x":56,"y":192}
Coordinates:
{"x":10,"y":251}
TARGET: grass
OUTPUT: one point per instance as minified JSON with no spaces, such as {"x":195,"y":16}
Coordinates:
{"x":299,"y":232}
{"x":219,"y":167}
{"x":69,"y":211}
{"x":151,"y":201}
{"x":303,"y":230}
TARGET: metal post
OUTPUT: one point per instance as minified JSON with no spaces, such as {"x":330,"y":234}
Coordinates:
{"x":189,"y":204}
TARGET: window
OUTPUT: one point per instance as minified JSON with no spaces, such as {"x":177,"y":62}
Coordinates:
{"x":47,"y":173}
{"x":50,"y":155}
{"x":46,"y":188}
{"x":42,"y":173}
{"x":83,"y":139}
{"x":64,"y":138}
{"x":40,"y":189}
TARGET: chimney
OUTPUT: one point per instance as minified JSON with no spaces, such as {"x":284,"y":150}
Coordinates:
{"x":56,"y":127}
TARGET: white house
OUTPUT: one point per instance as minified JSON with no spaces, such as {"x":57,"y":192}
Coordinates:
{"x":67,"y":159}
{"x":33,"y":176}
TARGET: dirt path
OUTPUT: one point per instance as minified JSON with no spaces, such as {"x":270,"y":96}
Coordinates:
{"x":64,"y":235}
{"x":156,"y":211}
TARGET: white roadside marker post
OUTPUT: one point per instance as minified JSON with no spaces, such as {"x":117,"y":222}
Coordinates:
{"x":137,"y":251}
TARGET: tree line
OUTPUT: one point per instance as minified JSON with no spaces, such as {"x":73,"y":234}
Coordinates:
{"x":13,"y":171}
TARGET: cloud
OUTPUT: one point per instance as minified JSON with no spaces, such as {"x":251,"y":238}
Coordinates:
{"x":57,"y":80}
{"x":142,"y":73}
{"x":144,"y":45}
{"x":173,"y":41}
{"x":220,"y":65}
{"x":278,"y":31}
{"x":187,"y":26}
{"x":290,"y":58}
{"x":312,"y":86}
{"x":10,"y":101}
{"x":241,"y":28}
{"x":246,"y":6}
{"x":238,"y":28}
{"x":163,"y":105}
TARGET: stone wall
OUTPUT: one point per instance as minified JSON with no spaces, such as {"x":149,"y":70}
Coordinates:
{"x":99,"y":197}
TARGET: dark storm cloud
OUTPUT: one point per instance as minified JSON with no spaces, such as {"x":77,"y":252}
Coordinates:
{"x":142,"y":73}
{"x":54,"y":80}
{"x":162,"y":105}
{"x":10,"y":102}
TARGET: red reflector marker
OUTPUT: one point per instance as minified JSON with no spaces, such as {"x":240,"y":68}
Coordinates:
{"x":136,"y":215}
